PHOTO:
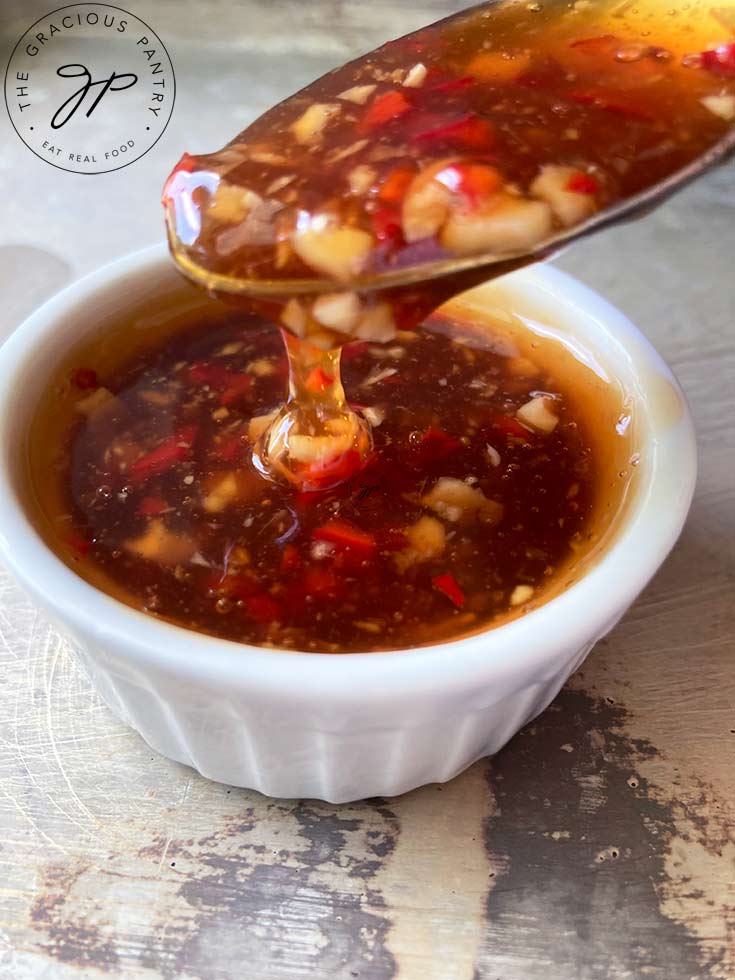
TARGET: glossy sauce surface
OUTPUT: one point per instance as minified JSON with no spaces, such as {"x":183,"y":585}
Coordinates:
{"x":484,"y":488}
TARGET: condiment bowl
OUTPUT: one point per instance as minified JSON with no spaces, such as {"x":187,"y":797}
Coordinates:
{"x":344,"y":727}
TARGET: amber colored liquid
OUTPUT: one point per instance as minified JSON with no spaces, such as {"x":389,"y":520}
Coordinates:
{"x":249,"y":561}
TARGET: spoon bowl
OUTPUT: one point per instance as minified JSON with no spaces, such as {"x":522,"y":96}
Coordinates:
{"x":462,"y":273}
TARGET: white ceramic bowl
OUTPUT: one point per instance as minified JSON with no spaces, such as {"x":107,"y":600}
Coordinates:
{"x":344,"y":727}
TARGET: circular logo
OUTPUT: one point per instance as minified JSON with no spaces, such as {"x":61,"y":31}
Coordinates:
{"x":90,"y":88}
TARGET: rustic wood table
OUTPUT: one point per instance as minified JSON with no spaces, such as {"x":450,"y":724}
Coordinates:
{"x":598,"y":845}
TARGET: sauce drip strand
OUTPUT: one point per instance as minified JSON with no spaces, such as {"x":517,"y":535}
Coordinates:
{"x":487,"y":133}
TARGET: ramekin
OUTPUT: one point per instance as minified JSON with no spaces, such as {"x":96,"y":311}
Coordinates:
{"x":341,"y":728}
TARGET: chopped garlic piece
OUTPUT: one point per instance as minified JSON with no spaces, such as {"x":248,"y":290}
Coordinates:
{"x":154,"y":397}
{"x":369,"y":625}
{"x":374,"y":415}
{"x":259,"y":424}
{"x":92,"y":403}
{"x":279,"y":183}
{"x":345,"y":151}
{"x":416,"y":76}
{"x":427,"y":537}
{"x":426,"y":205}
{"x":520,"y":595}
{"x":455,"y":499}
{"x":570,"y":207}
{"x":522,"y":367}
{"x":157,"y":543}
{"x":720,"y":105}
{"x":493,"y":455}
{"x":505,"y":224}
{"x":361,"y":178}
{"x":234,"y":347}
{"x":537,"y":414}
{"x":294,"y":317}
{"x":378,"y":374}
{"x":321,"y":339}
{"x":340,"y":253}
{"x":321,"y":550}
{"x":426,"y":540}
{"x":266,"y":156}
{"x":309,"y":126}
{"x":318,"y":449}
{"x":231,"y":204}
{"x":359,"y":94}
{"x":261,"y":367}
{"x":497,"y":65}
{"x":224,"y":491}
{"x":377,"y":324}
{"x":338,"y":311}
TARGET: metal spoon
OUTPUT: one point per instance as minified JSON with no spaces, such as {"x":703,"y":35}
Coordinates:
{"x":461,"y":273}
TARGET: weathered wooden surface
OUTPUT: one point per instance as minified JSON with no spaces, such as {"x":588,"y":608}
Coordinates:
{"x":597,"y":846}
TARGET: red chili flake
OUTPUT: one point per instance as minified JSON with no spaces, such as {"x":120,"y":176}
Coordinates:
{"x":436,"y":445}
{"x":151,"y":506}
{"x":239,"y":387}
{"x":509,"y":426}
{"x":173,"y":450}
{"x":290,"y":559}
{"x":187,"y":164}
{"x":320,"y":580}
{"x":454,"y":84}
{"x":262,"y":608}
{"x":582,"y":183}
{"x":346,"y":535}
{"x":547,"y":74}
{"x":395,"y":185}
{"x":387,"y":225}
{"x":356,"y":349}
{"x":85,"y":379}
{"x":470,"y":131}
{"x":383,"y":109}
{"x":233,"y":384}
{"x":720,"y":60}
{"x":611,"y":103}
{"x":213,"y":375}
{"x":77,"y":542}
{"x":447,"y":584}
{"x":595,"y":44}
{"x":240,"y":586}
{"x":390,"y":539}
{"x":318,"y":380}
{"x":228,"y":450}
{"x":322,"y":475}
{"x":306,"y":499}
{"x":476,"y":181}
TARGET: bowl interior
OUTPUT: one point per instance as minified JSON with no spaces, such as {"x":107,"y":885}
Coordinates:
{"x":548,"y":303}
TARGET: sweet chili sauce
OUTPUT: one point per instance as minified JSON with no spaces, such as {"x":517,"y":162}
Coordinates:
{"x":430,"y":480}
{"x":499,"y":464}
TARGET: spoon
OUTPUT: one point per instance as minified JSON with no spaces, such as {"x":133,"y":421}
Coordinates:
{"x":591,"y":66}
{"x":459,"y":274}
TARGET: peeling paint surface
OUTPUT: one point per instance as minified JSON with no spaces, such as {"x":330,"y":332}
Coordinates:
{"x":598,"y":845}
